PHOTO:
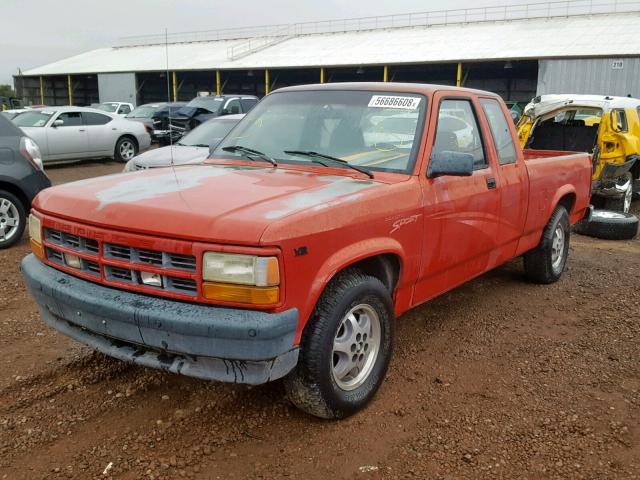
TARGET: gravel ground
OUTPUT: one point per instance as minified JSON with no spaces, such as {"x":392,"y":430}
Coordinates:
{"x":498,"y":379}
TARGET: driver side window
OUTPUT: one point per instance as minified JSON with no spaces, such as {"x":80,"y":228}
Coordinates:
{"x":233,"y":106}
{"x":71,"y":119}
{"x":458,"y":131}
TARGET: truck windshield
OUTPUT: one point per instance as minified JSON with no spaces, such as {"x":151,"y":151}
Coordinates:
{"x":107,"y":107}
{"x":376,"y":130}
{"x":144,"y":111}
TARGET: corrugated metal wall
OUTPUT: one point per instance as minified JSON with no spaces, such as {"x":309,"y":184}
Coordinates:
{"x":117,"y":87}
{"x":598,"y":76}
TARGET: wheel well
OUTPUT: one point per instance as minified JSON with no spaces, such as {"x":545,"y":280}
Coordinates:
{"x":385,"y":267}
{"x":568,"y":201}
{"x":130,"y":137}
{"x":11,"y":188}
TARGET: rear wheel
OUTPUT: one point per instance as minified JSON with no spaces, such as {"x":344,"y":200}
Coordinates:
{"x":126,"y":149}
{"x":13,"y":219}
{"x":546,"y":262}
{"x":345,"y":348}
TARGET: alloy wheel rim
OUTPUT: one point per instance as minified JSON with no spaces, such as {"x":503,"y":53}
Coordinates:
{"x":356,"y":347}
{"x":557,"y":247}
{"x":9,"y":220}
{"x":127,"y":150}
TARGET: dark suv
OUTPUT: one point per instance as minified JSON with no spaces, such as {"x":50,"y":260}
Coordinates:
{"x":155,"y":117}
{"x":21,"y":178}
{"x":201,"y":109}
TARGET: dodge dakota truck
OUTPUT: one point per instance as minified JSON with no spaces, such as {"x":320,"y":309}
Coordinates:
{"x":326,"y":213}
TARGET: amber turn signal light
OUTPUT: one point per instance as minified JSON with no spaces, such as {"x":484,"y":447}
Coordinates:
{"x":225,"y":292}
{"x":37,"y":249}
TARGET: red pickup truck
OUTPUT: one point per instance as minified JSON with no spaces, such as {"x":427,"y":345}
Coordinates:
{"x":326,"y":213}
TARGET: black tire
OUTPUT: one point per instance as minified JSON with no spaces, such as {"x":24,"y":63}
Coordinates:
{"x":312,"y":385}
{"x":125,"y":141}
{"x":15,"y":212}
{"x":609,"y":225}
{"x":540,"y":264}
{"x":622,"y":203}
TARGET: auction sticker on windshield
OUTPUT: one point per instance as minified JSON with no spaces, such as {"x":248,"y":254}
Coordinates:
{"x":392,"y":101}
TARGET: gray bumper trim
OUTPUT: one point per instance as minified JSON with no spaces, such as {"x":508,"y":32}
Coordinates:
{"x":216,"y":343}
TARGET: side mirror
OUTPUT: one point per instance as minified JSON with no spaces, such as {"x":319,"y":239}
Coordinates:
{"x":57,"y":123}
{"x":455,"y":164}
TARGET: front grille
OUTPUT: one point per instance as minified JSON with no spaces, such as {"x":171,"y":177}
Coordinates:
{"x":123,"y":264}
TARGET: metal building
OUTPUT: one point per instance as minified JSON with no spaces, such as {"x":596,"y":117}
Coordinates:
{"x":518,"y":51}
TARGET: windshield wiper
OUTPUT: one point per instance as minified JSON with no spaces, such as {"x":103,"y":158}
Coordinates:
{"x":250,"y":152}
{"x":309,"y":153}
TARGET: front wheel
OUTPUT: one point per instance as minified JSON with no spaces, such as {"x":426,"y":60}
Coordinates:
{"x":126,"y":149}
{"x":345,"y":348}
{"x":546,"y":262}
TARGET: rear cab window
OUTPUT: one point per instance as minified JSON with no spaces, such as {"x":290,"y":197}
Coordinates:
{"x":500,"y":132}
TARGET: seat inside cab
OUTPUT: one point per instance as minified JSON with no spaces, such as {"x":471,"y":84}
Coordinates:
{"x":569,"y":130}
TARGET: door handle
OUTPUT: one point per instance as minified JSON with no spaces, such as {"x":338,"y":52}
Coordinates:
{"x":491,"y":183}
{"x":81,"y":130}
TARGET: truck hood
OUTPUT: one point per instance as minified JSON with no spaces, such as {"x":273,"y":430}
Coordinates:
{"x":214,"y":203}
{"x":179,"y":154}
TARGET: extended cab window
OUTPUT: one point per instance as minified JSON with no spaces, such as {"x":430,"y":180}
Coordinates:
{"x":499,"y":131}
{"x":620,"y":120}
{"x":71,"y":119}
{"x":457,"y":131}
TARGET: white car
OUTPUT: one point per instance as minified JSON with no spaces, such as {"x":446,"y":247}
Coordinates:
{"x":119,"y":108}
{"x":73,"y":133}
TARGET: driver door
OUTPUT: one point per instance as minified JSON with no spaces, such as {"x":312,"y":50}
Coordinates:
{"x":70,"y":139}
{"x":461,"y":214}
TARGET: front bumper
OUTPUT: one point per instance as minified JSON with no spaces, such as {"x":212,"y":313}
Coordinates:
{"x":213,"y":343}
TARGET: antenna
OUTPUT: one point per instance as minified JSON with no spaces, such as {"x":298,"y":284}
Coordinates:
{"x":166,"y":51}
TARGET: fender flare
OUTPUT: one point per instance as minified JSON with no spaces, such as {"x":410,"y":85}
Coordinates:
{"x":560,"y":193}
{"x":344,"y":257}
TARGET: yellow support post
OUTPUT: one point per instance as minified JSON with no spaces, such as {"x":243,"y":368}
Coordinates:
{"x":41,"y":91}
{"x":459,"y":75}
{"x":321,"y":74}
{"x":266,"y":81}
{"x":175,"y":86}
{"x":218,"y":89}
{"x":70,"y":87}
{"x":385,"y":75}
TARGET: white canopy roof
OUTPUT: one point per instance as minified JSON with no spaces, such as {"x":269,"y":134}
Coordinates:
{"x":608,"y":35}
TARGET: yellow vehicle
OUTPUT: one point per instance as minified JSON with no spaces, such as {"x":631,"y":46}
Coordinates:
{"x":606,"y":127}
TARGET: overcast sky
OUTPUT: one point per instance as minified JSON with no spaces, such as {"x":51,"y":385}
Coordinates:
{"x":37,"y":32}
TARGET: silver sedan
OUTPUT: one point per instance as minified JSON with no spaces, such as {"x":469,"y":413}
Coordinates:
{"x":73,"y":133}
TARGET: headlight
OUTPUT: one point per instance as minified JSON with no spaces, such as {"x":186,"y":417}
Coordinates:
{"x":35,"y":232}
{"x":240,"y":269}
{"x":130,"y":166}
{"x":35,"y":229}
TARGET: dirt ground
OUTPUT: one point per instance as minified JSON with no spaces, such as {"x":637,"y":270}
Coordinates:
{"x":497,"y":379}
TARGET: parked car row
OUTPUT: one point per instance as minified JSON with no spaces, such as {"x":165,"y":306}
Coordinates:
{"x":71,"y":133}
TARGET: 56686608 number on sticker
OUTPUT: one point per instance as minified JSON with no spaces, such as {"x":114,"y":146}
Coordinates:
{"x":393,"y":101}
